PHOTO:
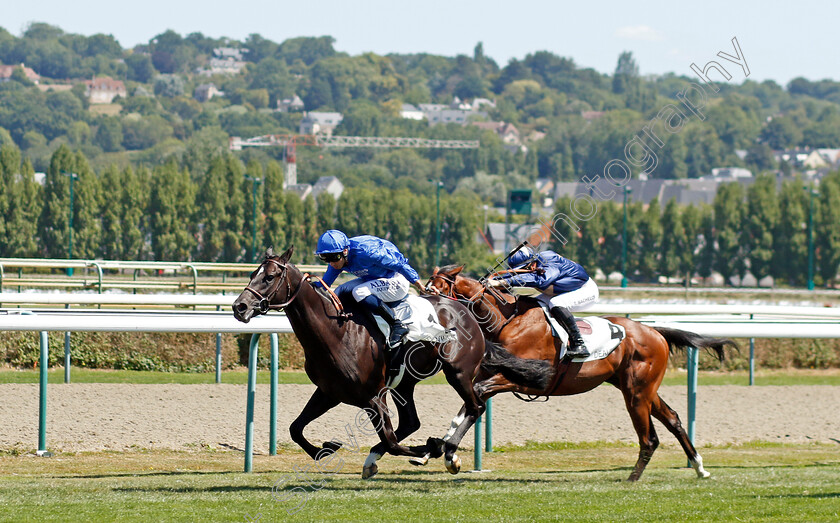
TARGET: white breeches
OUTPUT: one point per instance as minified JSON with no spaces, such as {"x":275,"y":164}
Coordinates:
{"x":576,"y":300}
{"x":386,"y":289}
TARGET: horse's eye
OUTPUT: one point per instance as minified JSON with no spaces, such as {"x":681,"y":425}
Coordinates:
{"x":269,"y":277}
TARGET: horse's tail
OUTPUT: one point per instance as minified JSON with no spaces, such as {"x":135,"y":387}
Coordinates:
{"x":529,"y":373}
{"x":683,"y":339}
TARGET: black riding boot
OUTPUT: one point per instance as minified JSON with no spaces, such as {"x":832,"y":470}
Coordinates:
{"x":576,"y":348}
{"x":398,"y":330}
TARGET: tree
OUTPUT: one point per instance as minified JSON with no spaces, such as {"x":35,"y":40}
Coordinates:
{"x":55,"y":216}
{"x":109,"y":134}
{"x":211,"y":212}
{"x":87,"y":222}
{"x":326,"y":211}
{"x":274,"y":208}
{"x":674,"y":241}
{"x":112,"y":212}
{"x":780,"y":133}
{"x":169,"y":85}
{"x":255,"y":171}
{"x":790,"y":236}
{"x":706,"y":255}
{"x":729,"y":215}
{"x":140,"y":68}
{"x":170,"y":206}
{"x":762,"y":218}
{"x":25,"y":203}
{"x":234,"y":228}
{"x":626,"y":80}
{"x":827,"y":233}
{"x":650,"y":241}
{"x":135,"y":195}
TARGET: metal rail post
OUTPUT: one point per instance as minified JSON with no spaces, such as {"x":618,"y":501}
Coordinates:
{"x":691,"y":364}
{"x":477,"y":451}
{"x":752,"y":358}
{"x":42,"y":404}
{"x":249,"y":411}
{"x":67,"y":352}
{"x":272,"y":427}
{"x":218,"y":357}
{"x":488,"y":427}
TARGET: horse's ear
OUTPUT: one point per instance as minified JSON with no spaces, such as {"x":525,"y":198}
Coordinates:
{"x":435,"y":271}
{"x":287,"y":255}
{"x":269,"y":253}
{"x":457,"y":270}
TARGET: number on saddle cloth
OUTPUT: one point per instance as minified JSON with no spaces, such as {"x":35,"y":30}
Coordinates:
{"x":601,"y":336}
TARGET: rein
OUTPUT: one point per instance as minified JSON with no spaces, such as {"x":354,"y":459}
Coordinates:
{"x":332,"y":296}
{"x":468,"y":300}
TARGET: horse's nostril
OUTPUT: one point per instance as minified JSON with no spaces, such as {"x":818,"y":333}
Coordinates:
{"x":241,"y":307}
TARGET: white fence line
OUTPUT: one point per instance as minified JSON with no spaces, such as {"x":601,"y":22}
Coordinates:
{"x":139,"y":321}
{"x":225,"y":300}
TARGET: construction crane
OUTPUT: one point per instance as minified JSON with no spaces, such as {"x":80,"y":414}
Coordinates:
{"x":291,"y":141}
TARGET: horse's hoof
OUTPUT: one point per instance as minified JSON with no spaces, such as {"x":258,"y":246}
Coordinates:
{"x":370,"y":471}
{"x":419,"y":461}
{"x":453,"y":466}
{"x":703,"y":475}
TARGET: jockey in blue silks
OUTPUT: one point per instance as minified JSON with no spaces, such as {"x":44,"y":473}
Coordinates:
{"x":383,"y":274}
{"x":564,"y":284}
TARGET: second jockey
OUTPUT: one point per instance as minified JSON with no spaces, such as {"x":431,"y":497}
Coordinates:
{"x":564,"y":284}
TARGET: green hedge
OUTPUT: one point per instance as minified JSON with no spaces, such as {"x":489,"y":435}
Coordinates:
{"x":166,"y":352}
{"x":196,"y":352}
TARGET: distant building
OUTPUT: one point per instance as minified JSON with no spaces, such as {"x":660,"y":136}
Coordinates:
{"x":409,"y":112}
{"x":328,"y":184}
{"x":205,"y":92}
{"x":794,"y":157}
{"x":290,"y":105}
{"x":7,"y":70}
{"x":225,"y":60}
{"x":730,"y":172}
{"x":506,"y":131}
{"x":319,"y":123}
{"x":301,"y":189}
{"x":103,"y":90}
{"x":831,"y":156}
{"x":457,"y":112}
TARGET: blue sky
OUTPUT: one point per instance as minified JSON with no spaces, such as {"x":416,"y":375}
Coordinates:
{"x":780,"y":40}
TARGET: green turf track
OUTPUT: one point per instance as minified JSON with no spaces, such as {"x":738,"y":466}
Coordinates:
{"x":755,"y":482}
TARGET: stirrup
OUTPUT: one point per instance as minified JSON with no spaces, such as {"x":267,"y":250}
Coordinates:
{"x":397,"y":336}
{"x":579,"y":351}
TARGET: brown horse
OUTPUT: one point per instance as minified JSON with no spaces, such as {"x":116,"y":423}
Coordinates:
{"x":346,"y":360}
{"x":636,"y":366}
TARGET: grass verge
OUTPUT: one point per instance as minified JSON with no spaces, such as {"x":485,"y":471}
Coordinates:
{"x":751,"y":482}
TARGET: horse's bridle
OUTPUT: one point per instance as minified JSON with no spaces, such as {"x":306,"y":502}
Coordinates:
{"x":265,"y":300}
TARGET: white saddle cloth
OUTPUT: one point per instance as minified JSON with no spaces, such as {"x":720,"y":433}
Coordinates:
{"x":601,"y":336}
{"x":421,"y":318}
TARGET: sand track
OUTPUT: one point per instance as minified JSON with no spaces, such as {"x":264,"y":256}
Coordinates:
{"x":89,"y":417}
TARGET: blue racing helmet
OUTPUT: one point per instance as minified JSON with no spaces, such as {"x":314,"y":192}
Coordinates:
{"x":520,"y":258}
{"x":332,"y":241}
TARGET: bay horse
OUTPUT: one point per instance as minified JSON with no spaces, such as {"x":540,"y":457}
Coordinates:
{"x":346,"y":359}
{"x":636,"y":367}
